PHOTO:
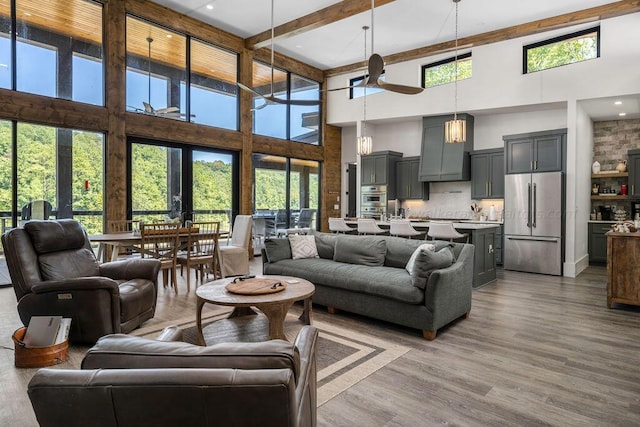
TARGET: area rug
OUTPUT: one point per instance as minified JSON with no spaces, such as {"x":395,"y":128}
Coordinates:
{"x":344,"y":357}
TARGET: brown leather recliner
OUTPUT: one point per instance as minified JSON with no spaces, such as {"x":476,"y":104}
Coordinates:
{"x":55,"y":272}
{"x":132,"y":381}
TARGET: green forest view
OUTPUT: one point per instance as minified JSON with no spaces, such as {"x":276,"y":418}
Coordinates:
{"x":562,"y":53}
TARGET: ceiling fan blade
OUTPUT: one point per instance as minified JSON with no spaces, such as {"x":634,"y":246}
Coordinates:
{"x":167,"y":110}
{"x":148,"y":108}
{"x":248,"y":89}
{"x":375,"y":67}
{"x":406,"y":90}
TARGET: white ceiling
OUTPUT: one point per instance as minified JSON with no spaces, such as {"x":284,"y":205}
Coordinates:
{"x":399,"y":26}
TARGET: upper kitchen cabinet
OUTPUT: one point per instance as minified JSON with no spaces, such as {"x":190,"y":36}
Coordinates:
{"x":440,"y":161}
{"x":487,"y":174}
{"x":408,"y":186}
{"x":379,"y":168}
{"x":536,"y":152}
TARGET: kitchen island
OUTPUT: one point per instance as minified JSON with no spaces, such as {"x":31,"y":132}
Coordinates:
{"x":623,"y":270}
{"x":482,"y":234}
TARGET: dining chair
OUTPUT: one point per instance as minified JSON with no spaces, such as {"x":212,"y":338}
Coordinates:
{"x":338,"y":225}
{"x":369,"y":226}
{"x":161,"y":241}
{"x":303,"y":225}
{"x":444,"y":230}
{"x":201,"y":252}
{"x":120,"y":226}
{"x":234,"y":258}
{"x":402,"y":228}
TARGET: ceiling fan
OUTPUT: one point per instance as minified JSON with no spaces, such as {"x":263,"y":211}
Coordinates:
{"x":271,"y":99}
{"x":171,"y":112}
{"x":375,"y":68}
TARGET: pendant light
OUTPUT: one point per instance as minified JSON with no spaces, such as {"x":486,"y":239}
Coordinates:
{"x":365,"y":143}
{"x":455,"y":131}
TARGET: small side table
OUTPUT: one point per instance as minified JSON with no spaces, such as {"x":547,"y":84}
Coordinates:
{"x":275,"y":306}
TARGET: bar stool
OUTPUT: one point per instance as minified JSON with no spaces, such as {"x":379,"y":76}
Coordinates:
{"x":369,"y":226}
{"x":402,"y":228}
{"x":338,"y":225}
{"x":443,"y":230}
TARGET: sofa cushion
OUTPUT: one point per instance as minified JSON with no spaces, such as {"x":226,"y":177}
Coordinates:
{"x":427,"y":262}
{"x":277,"y":249}
{"x":389,"y":282}
{"x":303,"y":247}
{"x":423,"y":247}
{"x":326,"y":243}
{"x":361,"y":250}
{"x":119,"y":351}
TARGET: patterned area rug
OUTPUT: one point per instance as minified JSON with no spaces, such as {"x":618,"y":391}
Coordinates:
{"x":344,"y":357}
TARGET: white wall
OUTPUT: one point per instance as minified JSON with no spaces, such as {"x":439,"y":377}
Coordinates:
{"x":499,"y":85}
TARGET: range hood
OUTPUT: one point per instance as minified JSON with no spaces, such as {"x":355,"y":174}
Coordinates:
{"x":439,"y":161}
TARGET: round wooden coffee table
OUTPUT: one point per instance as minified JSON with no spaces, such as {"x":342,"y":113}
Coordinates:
{"x":275,"y":306}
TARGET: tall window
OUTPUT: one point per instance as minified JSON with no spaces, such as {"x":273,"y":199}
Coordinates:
{"x":442,"y":72}
{"x":563,"y":50}
{"x":285,"y":121}
{"x":6,"y":175}
{"x":156,"y":69}
{"x":5,"y":44}
{"x":357,"y":92}
{"x":58,"y":53}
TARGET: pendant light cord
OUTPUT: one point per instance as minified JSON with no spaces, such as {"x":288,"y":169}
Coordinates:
{"x":149,"y":39}
{"x":364,"y":100}
{"x":272,"y":36}
{"x":455,"y":96}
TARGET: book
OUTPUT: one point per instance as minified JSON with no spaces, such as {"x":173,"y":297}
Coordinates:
{"x":42,"y":331}
{"x":63,"y":330}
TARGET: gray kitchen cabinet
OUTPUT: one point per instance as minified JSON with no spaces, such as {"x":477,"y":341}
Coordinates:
{"x":440,"y":161}
{"x":407,"y":184}
{"x":499,"y":240}
{"x":633,"y":166}
{"x":536,"y":152}
{"x":484,"y":258}
{"x":598,"y":242}
{"x":487,"y":174}
{"x":379,"y":168}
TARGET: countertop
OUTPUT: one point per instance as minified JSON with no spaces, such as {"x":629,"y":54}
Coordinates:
{"x":603,"y":222}
{"x":476,"y":225}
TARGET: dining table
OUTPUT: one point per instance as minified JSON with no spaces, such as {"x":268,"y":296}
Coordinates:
{"x":131,"y":240}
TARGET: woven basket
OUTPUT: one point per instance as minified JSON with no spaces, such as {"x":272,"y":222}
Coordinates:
{"x":38,"y":357}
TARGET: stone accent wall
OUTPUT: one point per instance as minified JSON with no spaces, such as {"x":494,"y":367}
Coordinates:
{"x":612,"y":139}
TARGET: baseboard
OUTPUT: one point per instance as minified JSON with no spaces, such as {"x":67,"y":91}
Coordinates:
{"x":572,"y":269}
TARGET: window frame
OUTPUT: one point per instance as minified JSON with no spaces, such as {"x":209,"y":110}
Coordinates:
{"x":449,"y":60}
{"x":354,"y":81}
{"x":554,"y":40}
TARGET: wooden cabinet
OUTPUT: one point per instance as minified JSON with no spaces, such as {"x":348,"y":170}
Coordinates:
{"x":536,"y":152}
{"x":633,"y":166}
{"x":623,"y":268}
{"x":440,"y":161}
{"x":598,"y":242}
{"x":407,"y":184}
{"x":487,"y":174}
{"x":379,"y":168}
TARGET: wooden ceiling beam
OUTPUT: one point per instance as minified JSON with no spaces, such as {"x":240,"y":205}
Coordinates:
{"x":597,"y":13}
{"x":328,"y":15}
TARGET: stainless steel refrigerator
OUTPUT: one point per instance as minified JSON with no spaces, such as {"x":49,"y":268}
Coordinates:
{"x":533,"y":222}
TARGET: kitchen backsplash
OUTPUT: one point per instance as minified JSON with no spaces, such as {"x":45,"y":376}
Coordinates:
{"x":612,"y":139}
{"x":450,"y":200}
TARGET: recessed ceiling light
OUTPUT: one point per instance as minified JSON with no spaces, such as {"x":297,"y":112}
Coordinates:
{"x":617,"y":103}
{"x":4,"y":66}
{"x":299,"y":46}
{"x":27,"y":14}
{"x":169,"y":36}
{"x":622,"y":114}
{"x":210,"y":6}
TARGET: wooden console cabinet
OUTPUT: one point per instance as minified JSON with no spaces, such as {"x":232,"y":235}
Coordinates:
{"x":623,"y":268}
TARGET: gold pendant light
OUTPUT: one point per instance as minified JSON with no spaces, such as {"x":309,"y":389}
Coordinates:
{"x":455,"y":131}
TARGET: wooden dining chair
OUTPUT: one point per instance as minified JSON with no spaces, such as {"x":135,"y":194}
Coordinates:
{"x":161,"y":241}
{"x":201,"y":252}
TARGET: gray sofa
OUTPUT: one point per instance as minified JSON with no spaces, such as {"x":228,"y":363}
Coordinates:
{"x":367,"y":275}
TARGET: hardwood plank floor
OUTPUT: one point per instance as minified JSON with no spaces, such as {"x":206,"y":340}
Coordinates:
{"x":537,"y":350}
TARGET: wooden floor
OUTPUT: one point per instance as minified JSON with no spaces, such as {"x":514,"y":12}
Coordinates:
{"x":537,"y":350}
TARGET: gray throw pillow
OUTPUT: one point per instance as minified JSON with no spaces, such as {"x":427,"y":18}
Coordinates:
{"x":277,"y":249}
{"x":361,"y":250}
{"x":326,"y":243}
{"x":427,"y":262}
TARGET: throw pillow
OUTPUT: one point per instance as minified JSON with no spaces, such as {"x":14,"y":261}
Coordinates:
{"x":277,"y":249}
{"x":360,"y":250}
{"x":427,"y":262}
{"x":325,"y":242}
{"x":303,"y":247}
{"x":412,"y":260}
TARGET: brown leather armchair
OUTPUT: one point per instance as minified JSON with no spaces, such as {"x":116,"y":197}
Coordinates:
{"x":132,"y":381}
{"x":55,"y":272}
